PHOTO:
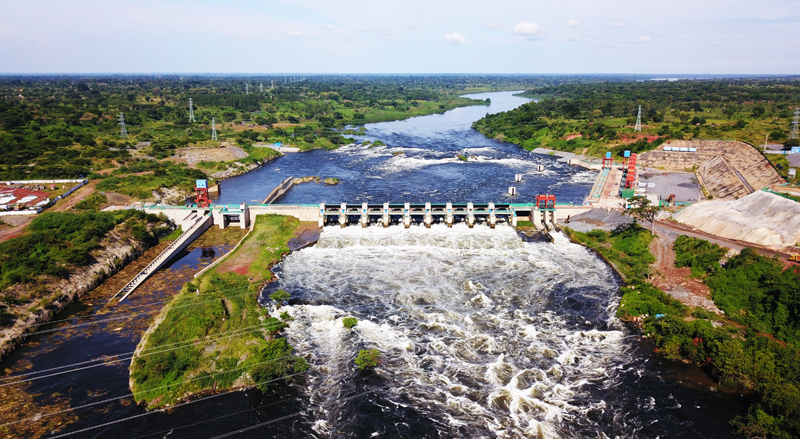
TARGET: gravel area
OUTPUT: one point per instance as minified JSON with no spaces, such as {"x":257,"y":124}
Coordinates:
{"x":597,"y":219}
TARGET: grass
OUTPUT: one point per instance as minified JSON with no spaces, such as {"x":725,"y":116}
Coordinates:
{"x":265,"y":246}
{"x":626,"y":247}
{"x":210,"y":308}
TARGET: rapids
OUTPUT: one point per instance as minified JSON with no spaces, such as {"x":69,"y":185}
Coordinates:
{"x":480,"y":333}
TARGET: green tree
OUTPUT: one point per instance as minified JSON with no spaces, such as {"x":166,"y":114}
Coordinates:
{"x":641,"y":208}
{"x":279,"y":297}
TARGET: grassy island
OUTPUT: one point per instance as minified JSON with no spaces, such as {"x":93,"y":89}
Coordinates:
{"x":214,"y":336}
{"x":752,"y":349}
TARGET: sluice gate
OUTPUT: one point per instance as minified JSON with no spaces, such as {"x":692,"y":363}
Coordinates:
{"x":427,"y":214}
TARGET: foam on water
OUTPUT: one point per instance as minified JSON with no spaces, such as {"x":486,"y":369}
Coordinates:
{"x":477,"y":329}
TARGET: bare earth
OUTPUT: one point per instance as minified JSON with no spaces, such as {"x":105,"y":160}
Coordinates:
{"x":677,"y":281}
{"x":193,"y":156}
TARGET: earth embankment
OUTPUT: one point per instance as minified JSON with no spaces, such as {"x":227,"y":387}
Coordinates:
{"x":760,"y":218}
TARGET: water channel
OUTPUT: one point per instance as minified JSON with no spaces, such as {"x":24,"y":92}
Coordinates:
{"x":481,"y":333}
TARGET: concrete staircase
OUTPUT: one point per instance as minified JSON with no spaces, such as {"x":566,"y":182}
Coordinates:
{"x":197,"y":224}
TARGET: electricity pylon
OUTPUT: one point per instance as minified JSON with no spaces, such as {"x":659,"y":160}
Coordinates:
{"x":638,"y":126}
{"x":122,"y":131}
{"x":795,"y":122}
{"x":191,"y":111}
{"x":213,"y":129}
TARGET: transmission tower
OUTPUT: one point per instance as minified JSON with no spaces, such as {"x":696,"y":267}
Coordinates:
{"x":122,"y":131}
{"x":638,"y":126}
{"x":213,"y":129}
{"x":246,"y":89}
{"x":261,"y":87}
{"x":191,"y":111}
{"x":795,"y":122}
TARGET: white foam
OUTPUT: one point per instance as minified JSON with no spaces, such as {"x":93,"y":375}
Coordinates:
{"x":463,"y":320}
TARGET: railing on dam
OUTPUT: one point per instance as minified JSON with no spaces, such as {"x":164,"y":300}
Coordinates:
{"x":201,"y":222}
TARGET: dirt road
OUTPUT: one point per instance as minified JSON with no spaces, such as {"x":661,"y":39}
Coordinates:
{"x":60,"y":206}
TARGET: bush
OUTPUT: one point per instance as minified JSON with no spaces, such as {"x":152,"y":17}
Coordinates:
{"x":279,"y":297}
{"x":349,"y":322}
{"x":701,"y":256}
{"x":367,"y":358}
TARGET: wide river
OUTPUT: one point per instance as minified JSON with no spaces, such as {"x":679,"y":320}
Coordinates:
{"x":481,"y":334}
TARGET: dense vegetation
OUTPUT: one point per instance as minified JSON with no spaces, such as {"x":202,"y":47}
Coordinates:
{"x":698,"y":254}
{"x":749,"y":288}
{"x":55,"y":245}
{"x":215,"y":335}
{"x":600,"y":116}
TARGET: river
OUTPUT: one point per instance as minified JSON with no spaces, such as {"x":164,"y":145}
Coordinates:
{"x":481,"y":334}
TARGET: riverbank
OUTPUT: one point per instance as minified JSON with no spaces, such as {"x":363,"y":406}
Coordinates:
{"x":732,"y":350}
{"x":32,"y":298}
{"x":214,"y":336}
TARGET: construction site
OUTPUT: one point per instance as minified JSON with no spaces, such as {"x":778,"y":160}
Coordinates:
{"x":722,"y":188}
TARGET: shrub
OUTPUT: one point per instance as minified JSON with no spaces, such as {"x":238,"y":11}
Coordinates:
{"x":279,"y":297}
{"x":349,"y":322}
{"x":367,"y":358}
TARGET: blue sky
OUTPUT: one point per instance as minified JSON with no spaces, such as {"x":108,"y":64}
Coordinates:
{"x":414,"y":36}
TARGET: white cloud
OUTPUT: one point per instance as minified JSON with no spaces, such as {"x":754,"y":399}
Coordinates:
{"x":525,"y":28}
{"x":328,"y":27}
{"x":293,"y":34}
{"x":491,"y":25}
{"x":615,"y":24}
{"x":645,"y":39}
{"x":573,"y":23}
{"x":455,"y":38}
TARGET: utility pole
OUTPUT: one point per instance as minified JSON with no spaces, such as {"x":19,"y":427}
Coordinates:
{"x":191,"y":111}
{"x":795,"y":122}
{"x":123,"y":132}
{"x":213,"y":129}
{"x":638,"y":126}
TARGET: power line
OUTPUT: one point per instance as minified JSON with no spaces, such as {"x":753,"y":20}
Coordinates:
{"x":129,"y":315}
{"x":105,"y":361}
{"x":39,"y":416}
{"x":207,"y":398}
{"x":141,"y":414}
{"x":272,"y":421}
{"x":237,"y":413}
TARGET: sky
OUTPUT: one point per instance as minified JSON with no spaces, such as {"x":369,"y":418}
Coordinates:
{"x":400,"y":36}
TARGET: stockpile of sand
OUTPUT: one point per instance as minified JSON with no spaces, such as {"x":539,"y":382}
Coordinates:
{"x":761,"y":218}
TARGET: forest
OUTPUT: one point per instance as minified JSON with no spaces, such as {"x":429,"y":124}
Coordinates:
{"x":593,"y":118}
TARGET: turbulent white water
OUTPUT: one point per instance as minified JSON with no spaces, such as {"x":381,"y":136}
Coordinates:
{"x":479,"y":332}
